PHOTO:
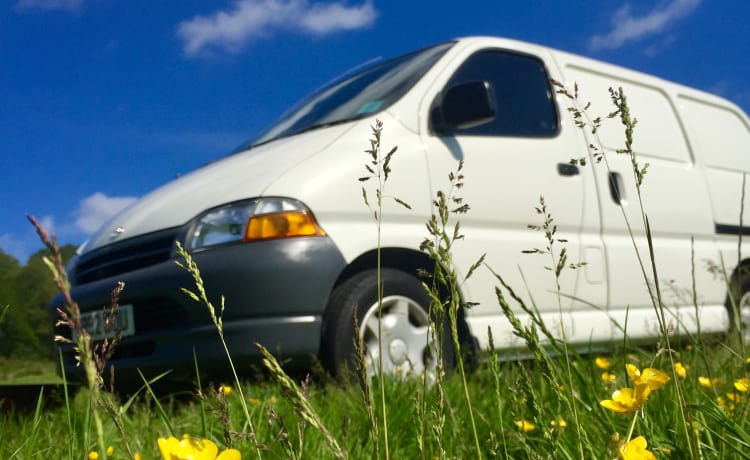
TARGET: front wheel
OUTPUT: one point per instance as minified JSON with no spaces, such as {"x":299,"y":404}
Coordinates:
{"x":395,"y":335}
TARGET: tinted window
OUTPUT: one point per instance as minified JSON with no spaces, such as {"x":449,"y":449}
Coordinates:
{"x":523,"y":96}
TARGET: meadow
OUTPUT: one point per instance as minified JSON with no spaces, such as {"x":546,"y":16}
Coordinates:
{"x":677,"y":399}
{"x":522,"y":409}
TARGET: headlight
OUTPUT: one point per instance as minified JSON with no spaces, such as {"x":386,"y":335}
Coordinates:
{"x":253,"y":220}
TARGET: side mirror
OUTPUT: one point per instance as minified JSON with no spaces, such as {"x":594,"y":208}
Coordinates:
{"x":462,"y":106}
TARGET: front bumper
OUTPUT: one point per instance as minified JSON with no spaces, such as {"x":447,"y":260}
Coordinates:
{"x":275,"y":295}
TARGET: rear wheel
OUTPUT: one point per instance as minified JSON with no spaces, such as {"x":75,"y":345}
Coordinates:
{"x":397,"y":333}
{"x":739,"y":313}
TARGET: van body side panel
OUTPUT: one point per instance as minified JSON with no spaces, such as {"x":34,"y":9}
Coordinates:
{"x":674,"y":195}
{"x":329,"y":184}
{"x":721,"y":136}
{"x":235,"y":177}
{"x":505,"y":176}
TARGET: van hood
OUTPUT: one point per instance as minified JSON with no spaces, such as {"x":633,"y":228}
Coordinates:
{"x":236,"y":177}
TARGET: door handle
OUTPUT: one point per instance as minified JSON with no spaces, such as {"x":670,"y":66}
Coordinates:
{"x":617,"y":188}
{"x":567,"y":169}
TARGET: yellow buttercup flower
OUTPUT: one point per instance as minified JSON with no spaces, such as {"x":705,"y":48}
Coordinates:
{"x":723,"y":404}
{"x":654,"y":378}
{"x":525,"y":426}
{"x":271,"y":400}
{"x":602,"y":363}
{"x":226,"y":390}
{"x":707,"y":382}
{"x":608,"y":377}
{"x":137,"y":456}
{"x":189,"y":448}
{"x":559,"y":424}
{"x":680,"y":370}
{"x":254,"y":401}
{"x":734,"y":397}
{"x":636,"y":450}
{"x":110,"y":450}
{"x":742,"y":385}
{"x":627,"y":400}
{"x":93,"y":455}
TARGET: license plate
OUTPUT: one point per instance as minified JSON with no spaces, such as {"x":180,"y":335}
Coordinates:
{"x":93,"y":322}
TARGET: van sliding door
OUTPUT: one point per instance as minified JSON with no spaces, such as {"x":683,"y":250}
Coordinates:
{"x":673,"y":195}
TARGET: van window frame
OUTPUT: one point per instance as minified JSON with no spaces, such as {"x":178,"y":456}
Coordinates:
{"x":557,"y":125}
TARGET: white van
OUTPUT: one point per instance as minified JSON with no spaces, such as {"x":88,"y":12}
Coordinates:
{"x":281,"y":230}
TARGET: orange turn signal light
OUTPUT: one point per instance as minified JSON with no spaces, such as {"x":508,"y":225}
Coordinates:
{"x":282,"y":225}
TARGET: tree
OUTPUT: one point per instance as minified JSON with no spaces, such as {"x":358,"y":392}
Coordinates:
{"x":27,"y":328}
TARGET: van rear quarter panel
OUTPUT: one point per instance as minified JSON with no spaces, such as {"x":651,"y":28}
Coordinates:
{"x":720,"y":137}
{"x":719,"y":133}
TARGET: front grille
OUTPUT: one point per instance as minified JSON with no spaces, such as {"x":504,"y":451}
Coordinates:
{"x":154,"y":315}
{"x":125,"y":256}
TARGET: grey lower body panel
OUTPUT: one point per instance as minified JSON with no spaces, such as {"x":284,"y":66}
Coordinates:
{"x":275,"y":294}
{"x":291,"y":340}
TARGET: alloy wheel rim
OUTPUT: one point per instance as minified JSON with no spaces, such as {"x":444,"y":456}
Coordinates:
{"x":407,"y":346}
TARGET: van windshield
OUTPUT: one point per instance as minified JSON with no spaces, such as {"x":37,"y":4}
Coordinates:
{"x":356,"y":96}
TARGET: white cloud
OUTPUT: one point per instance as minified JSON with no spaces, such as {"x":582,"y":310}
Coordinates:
{"x":48,"y":224}
{"x":14,"y":247}
{"x":628,"y":28}
{"x":96,"y":209}
{"x":49,"y":5}
{"x":246,"y":20}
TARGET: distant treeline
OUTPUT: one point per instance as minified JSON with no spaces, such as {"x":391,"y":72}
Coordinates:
{"x":25,"y":295}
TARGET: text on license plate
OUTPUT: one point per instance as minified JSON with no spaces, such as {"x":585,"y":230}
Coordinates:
{"x":93,"y":323}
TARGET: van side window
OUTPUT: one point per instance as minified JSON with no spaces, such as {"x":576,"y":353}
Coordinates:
{"x":524,"y":101}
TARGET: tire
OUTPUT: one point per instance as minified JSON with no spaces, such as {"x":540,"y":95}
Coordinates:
{"x":404,"y":326}
{"x":742,"y":292}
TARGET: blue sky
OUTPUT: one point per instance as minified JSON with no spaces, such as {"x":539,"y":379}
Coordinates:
{"x":103,"y":100}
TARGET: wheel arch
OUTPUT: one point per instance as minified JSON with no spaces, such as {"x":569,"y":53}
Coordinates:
{"x":415,"y":263}
{"x":737,"y":285}
{"x":741,"y":272}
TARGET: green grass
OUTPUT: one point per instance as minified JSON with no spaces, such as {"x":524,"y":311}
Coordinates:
{"x":19,"y":371}
{"x":526,"y":393}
